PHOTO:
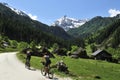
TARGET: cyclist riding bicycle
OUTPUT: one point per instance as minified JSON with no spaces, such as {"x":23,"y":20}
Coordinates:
{"x":28,"y":57}
{"x":46,"y":62}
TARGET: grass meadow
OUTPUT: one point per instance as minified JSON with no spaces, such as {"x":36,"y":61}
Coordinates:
{"x":81,"y":69}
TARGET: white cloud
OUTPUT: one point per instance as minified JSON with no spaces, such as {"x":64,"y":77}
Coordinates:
{"x":34,"y":17}
{"x":113,"y":12}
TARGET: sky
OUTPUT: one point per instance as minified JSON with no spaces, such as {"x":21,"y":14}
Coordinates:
{"x":48,"y":11}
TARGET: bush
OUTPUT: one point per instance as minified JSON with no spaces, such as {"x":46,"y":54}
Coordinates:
{"x":74,"y":48}
{"x":23,"y":45}
{"x":14,"y":44}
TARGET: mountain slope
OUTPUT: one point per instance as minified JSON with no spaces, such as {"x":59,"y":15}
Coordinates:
{"x":60,"y":32}
{"x":110,"y":36}
{"x":66,"y":23}
{"x":23,"y":28}
{"x":24,"y":18}
{"x":92,"y":26}
{"x":19,"y":12}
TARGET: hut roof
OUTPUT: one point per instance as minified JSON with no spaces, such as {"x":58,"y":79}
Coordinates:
{"x":75,"y":53}
{"x":97,"y":52}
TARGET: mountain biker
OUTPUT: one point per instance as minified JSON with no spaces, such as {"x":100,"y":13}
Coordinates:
{"x":47,"y":62}
{"x":28,"y":57}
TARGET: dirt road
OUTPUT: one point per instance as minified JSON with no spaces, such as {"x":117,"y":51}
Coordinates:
{"x":12,"y":69}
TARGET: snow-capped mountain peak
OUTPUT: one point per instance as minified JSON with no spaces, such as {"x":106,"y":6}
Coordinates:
{"x":19,"y":12}
{"x":66,"y":23}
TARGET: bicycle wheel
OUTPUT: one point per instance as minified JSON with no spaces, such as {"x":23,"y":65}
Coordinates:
{"x":27,"y":65}
{"x":43,"y":72}
{"x":50,"y":74}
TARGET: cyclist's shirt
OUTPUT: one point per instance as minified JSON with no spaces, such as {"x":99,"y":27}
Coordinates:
{"x":47,"y":59}
{"x":28,"y":55}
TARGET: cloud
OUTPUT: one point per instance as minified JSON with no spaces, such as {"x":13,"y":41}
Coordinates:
{"x":113,"y":12}
{"x":34,"y":17}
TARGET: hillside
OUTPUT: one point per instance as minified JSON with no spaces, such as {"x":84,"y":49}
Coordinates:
{"x":60,"y":32}
{"x":92,"y":26}
{"x":109,"y":36}
{"x":23,"y":28}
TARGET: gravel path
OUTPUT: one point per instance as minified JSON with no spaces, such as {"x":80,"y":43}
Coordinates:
{"x":12,"y":69}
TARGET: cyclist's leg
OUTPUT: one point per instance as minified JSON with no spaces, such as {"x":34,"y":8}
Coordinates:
{"x":28,"y":63}
{"x":45,"y":68}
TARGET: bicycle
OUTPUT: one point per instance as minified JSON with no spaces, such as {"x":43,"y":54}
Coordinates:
{"x":47,"y":70}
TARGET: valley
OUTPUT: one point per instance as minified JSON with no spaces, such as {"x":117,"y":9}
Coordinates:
{"x":89,"y":47}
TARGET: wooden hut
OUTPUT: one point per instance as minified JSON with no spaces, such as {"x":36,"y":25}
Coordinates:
{"x":80,"y":53}
{"x":102,"y":55}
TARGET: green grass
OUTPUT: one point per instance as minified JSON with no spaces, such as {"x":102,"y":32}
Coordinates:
{"x":7,"y":50}
{"x":83,"y":69}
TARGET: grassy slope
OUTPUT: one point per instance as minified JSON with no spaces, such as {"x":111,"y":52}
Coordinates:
{"x":83,"y":69}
